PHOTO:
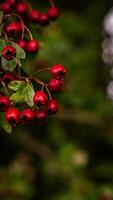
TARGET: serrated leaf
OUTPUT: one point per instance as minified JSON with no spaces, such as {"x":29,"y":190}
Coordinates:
{"x":20,"y":53}
{"x":8,"y":65}
{"x":2,"y":45}
{"x":15,"y":85}
{"x":29,"y":96}
{"x":24,"y":92}
{"x":4,"y":124}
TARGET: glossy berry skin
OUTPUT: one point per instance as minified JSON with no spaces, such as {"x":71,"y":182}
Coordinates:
{"x":5,"y":7}
{"x":12,"y":3}
{"x":4,"y":103}
{"x":14,"y":29}
{"x":34,"y":16}
{"x":32,"y":46}
{"x":52,"y":107}
{"x":40,"y":98}
{"x":55,"y":85}
{"x":53,"y":13}
{"x":9,"y":52}
{"x":7,"y":78}
{"x":43,"y":19}
{"x":26,"y":116}
{"x":41,"y":116}
{"x":22,"y":9}
{"x":12,"y":116}
{"x":58,"y":71}
{"x":22,"y":43}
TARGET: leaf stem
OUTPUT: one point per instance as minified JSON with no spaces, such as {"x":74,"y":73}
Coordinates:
{"x":41,"y":70}
{"x":5,"y":88}
{"x":52,"y":3}
{"x":31,"y":37}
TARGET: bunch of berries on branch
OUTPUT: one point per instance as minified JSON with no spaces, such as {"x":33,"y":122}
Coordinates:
{"x":20,"y":100}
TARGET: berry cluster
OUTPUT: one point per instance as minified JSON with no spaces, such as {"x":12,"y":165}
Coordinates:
{"x":18,"y":90}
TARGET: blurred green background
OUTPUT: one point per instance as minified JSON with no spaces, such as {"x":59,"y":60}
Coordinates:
{"x":71,"y":157}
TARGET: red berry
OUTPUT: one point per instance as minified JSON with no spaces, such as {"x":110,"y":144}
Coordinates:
{"x":52,"y":107}
{"x":22,"y":43}
{"x":27,"y":115}
{"x":9,"y":52}
{"x":34,"y":16}
{"x":32,"y":46}
{"x":58,"y":71}
{"x":12,"y":3}
{"x":41,"y":116}
{"x":7,"y":78}
{"x":53,"y":13}
{"x":22,"y":8}
{"x":12,"y":115}
{"x":55,"y":85}
{"x":4,"y":103}
{"x":43,"y":19}
{"x":5,"y":7}
{"x":40,"y":98}
{"x":14,"y":29}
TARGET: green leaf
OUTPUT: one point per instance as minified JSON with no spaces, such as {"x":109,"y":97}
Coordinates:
{"x":4,"y":124}
{"x":29,"y":95}
{"x":20,"y":53}
{"x":8,"y":65}
{"x":2,"y":45}
{"x":15,"y":85}
{"x":24,"y":92}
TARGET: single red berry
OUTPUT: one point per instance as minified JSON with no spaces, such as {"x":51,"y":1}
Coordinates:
{"x":41,"y":116}
{"x":22,"y":8}
{"x":53,"y":13}
{"x":12,"y":116}
{"x":14,"y":29}
{"x":55,"y":85}
{"x":52,"y":107}
{"x":27,"y":115}
{"x":7,"y":78}
{"x":34,"y":16}
{"x":9,"y":52}
{"x":40,"y":98}
{"x":4,"y":103}
{"x":12,"y":3}
{"x":43,"y":19}
{"x":58,"y":71}
{"x":5,"y":7}
{"x":32,"y":46}
{"x":22,"y":43}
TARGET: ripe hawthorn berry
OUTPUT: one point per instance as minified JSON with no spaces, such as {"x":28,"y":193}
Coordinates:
{"x":32,"y":46}
{"x":26,"y":116}
{"x":55,"y":85}
{"x":4,"y":103}
{"x":52,"y":107}
{"x":22,"y":43}
{"x":5,"y":7}
{"x":43,"y":19}
{"x":14,"y":29}
{"x":41,"y":116}
{"x":53,"y":13}
{"x":58,"y":71}
{"x":34,"y":16}
{"x":12,"y":116}
{"x":22,"y":8}
{"x":7,"y":78}
{"x":9,"y":52}
{"x":40,"y":98}
{"x":12,"y":3}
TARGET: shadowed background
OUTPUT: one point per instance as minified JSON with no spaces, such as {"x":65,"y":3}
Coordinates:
{"x":70,"y":157}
